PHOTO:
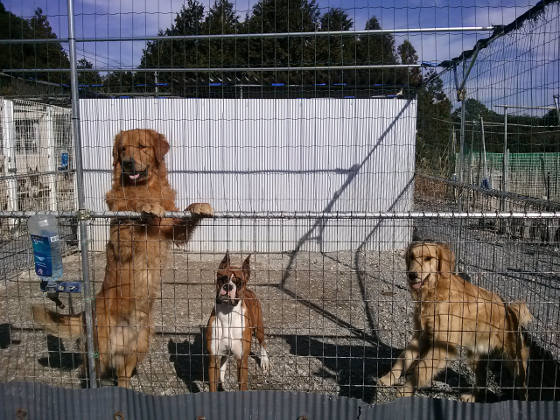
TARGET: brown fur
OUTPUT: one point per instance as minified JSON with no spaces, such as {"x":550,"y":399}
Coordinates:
{"x":136,"y":254}
{"x":452,"y":312}
{"x":253,"y":324}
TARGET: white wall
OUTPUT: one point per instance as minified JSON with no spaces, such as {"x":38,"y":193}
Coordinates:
{"x":269,"y":155}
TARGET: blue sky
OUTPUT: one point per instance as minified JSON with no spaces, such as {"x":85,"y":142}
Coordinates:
{"x":102,"y":18}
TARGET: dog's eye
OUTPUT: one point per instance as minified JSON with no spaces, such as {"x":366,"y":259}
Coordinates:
{"x":142,"y":146}
{"x":428,"y":258}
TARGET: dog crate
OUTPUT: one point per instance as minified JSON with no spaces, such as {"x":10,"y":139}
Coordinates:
{"x":36,"y":137}
{"x":326,"y":138}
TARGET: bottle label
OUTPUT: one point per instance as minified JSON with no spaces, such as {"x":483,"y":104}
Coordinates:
{"x":64,"y":160}
{"x":42,"y":254}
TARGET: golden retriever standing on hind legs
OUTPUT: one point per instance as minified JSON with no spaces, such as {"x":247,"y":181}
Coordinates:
{"x":136,"y":254}
{"x":452,"y":312}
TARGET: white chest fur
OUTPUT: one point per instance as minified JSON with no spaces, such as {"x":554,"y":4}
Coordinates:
{"x":227,"y":330}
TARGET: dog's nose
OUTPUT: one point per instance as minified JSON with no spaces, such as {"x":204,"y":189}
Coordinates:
{"x":412,"y":275}
{"x":128,"y":165}
{"x":228,"y":287}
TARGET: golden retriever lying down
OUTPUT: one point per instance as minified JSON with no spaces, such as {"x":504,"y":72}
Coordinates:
{"x":136,"y":254}
{"x":452,"y":312}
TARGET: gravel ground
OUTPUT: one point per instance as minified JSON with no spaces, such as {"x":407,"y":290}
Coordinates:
{"x":334,"y":322}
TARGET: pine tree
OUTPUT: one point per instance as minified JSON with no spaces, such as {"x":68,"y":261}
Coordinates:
{"x":31,"y":56}
{"x":335,"y":50}
{"x":407,"y":54}
{"x":228,"y":53}
{"x":433,"y":127}
{"x":176,"y":53}
{"x":376,"y":49}
{"x":269,"y":16}
{"x":87,"y":79}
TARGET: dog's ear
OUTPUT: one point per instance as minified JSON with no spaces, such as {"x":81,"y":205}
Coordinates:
{"x":407,"y":252}
{"x":225,"y":262}
{"x":446,"y":258}
{"x":160,"y":145}
{"x":116,"y":145}
{"x":246,"y":268}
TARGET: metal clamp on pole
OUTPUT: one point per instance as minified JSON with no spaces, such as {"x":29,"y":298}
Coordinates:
{"x":83,"y":215}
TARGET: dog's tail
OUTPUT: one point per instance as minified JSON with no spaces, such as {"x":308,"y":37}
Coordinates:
{"x":521,"y":312}
{"x":63,"y":326}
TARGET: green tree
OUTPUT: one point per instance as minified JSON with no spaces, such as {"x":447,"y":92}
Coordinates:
{"x":433,"y":127}
{"x":376,"y":49}
{"x":87,"y":78}
{"x":407,"y":54}
{"x":176,"y":53}
{"x":229,"y":53}
{"x":336,"y":19}
{"x":119,"y":83}
{"x":551,"y":118}
{"x":269,"y":16}
{"x":28,"y":55}
{"x":335,"y":50}
{"x":474,"y":109}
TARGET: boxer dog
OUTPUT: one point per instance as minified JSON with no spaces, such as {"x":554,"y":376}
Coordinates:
{"x":235,"y":317}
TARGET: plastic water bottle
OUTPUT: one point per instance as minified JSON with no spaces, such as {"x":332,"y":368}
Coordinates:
{"x":46,"y":248}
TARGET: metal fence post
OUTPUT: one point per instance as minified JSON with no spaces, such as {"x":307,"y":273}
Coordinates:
{"x":505,"y":163}
{"x":461,"y":152}
{"x":485,"y":180}
{"x":81,"y":195}
{"x":51,"y":143}
{"x":557,"y":105}
{"x":10,"y":168}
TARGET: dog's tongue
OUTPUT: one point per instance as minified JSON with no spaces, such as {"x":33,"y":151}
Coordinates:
{"x":417,"y":285}
{"x":134,"y":176}
{"x":223,"y":292}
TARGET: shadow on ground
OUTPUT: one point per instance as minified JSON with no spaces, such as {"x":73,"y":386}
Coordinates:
{"x":353,"y":367}
{"x":189,"y":360}
{"x":58,"y":357}
{"x":356,"y":367}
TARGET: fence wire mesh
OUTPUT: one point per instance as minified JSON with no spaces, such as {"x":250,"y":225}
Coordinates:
{"x":326,"y":137}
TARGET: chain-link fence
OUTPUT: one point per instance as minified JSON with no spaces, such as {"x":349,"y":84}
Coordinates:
{"x":326,"y":139}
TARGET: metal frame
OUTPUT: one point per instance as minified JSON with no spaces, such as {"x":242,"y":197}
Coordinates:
{"x":81,"y":196}
{"x":264,"y":35}
{"x":83,"y":214}
{"x":86,"y":215}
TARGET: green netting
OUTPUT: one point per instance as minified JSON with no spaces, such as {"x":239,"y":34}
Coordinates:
{"x":532,"y":174}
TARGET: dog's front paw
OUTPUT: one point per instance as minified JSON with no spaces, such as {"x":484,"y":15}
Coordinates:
{"x":405,"y":391}
{"x":388,"y":380}
{"x":468,"y":397}
{"x":201,"y":210}
{"x":265,"y":362}
{"x":152,"y":209}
